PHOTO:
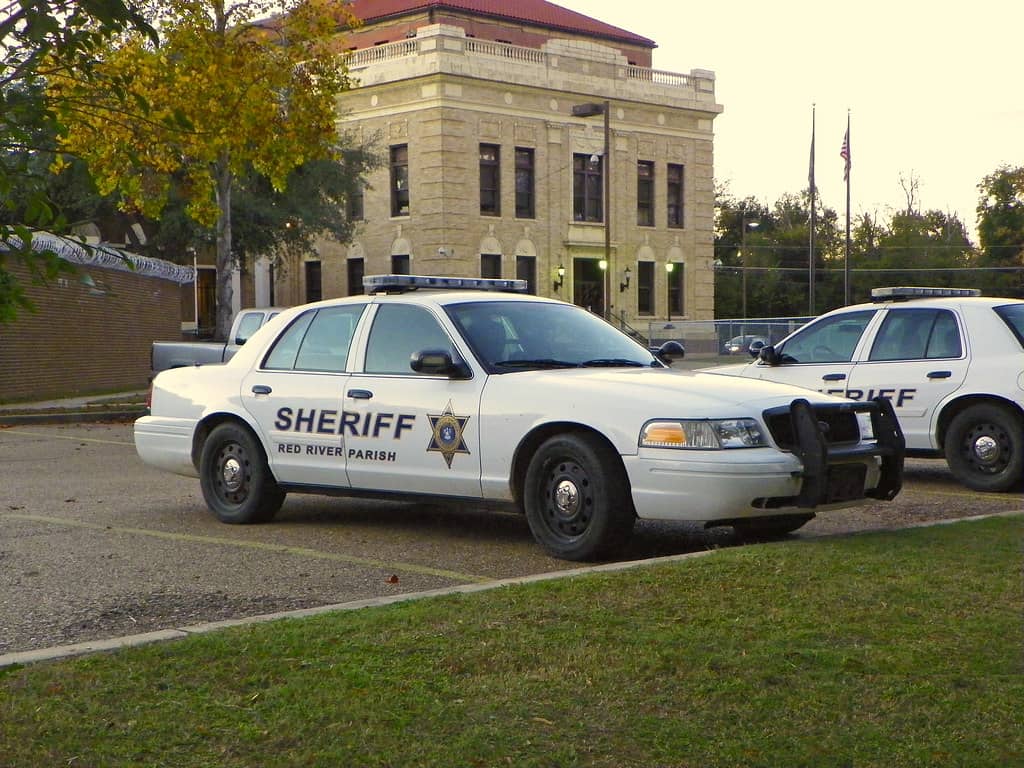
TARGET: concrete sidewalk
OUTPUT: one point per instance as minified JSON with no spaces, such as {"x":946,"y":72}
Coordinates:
{"x":119,"y":406}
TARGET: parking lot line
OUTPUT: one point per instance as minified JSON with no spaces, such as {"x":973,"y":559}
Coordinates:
{"x":76,"y":438}
{"x":390,"y":567}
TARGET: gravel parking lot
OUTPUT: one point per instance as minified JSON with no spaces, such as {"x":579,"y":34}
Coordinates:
{"x":97,"y":545}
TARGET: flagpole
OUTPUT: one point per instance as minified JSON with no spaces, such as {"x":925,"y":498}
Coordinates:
{"x":814,"y":221}
{"x":846,"y":262}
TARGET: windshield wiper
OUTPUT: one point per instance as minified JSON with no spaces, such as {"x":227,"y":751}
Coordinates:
{"x":613,"y":362}
{"x":541,"y":362}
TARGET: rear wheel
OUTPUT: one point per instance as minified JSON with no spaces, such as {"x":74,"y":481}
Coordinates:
{"x":236,"y":481}
{"x":984,"y":448}
{"x":577,"y":498}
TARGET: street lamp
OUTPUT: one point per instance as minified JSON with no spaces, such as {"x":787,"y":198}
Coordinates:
{"x":669,"y":266}
{"x":743,"y":255}
{"x":591,"y":109}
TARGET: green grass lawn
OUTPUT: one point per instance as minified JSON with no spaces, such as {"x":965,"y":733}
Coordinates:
{"x":887,"y":649}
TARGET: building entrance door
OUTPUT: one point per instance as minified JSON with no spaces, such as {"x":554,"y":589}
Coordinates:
{"x":588,"y":285}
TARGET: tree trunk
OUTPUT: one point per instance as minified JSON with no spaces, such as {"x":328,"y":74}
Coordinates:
{"x":225,"y":259}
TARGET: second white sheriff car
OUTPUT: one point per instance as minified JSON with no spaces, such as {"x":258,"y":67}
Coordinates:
{"x":462,"y":388}
{"x":950,"y":360}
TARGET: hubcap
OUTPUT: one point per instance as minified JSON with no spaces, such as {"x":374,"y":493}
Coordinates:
{"x":567,"y":498}
{"x":986,"y":449}
{"x":231,"y":474}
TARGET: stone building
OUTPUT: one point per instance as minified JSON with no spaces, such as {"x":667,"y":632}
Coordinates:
{"x":525,"y":140}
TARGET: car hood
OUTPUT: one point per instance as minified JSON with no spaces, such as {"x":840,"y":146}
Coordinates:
{"x":733,"y":369}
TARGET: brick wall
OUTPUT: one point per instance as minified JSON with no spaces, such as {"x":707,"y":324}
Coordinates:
{"x":85,"y":339}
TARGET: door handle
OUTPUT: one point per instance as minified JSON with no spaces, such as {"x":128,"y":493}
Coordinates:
{"x":360,"y":394}
{"x":940,"y":374}
{"x":261,"y":389}
{"x":833,"y":377}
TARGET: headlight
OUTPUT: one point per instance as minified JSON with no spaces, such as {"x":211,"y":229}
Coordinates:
{"x":702,"y":434}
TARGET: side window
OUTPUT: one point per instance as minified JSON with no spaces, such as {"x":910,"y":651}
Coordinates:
{"x":832,"y":340}
{"x":286,"y":347}
{"x":917,"y":334}
{"x":248,"y":326}
{"x":945,"y":338}
{"x":1013,"y":316}
{"x":326,"y":343}
{"x":399,"y":331}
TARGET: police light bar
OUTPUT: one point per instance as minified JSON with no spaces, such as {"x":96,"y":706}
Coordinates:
{"x":403,"y":283}
{"x":912,"y":292}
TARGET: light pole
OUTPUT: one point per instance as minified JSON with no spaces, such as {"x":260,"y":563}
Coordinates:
{"x":743,"y":256}
{"x":589,"y":110}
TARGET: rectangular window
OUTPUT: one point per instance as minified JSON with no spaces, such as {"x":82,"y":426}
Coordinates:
{"x":526,"y":269}
{"x":675,"y":289}
{"x":645,"y":288}
{"x":355,"y":202}
{"x":675,"y":195}
{"x":524,"y":184}
{"x":356,"y":269}
{"x":400,"y":264}
{"x":645,"y":193}
{"x":314,"y":287}
{"x":490,"y":265}
{"x":490,"y":180}
{"x":400,"y":180}
{"x":587,"y":187}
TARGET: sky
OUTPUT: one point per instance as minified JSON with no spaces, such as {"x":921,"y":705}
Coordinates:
{"x":934,"y":92}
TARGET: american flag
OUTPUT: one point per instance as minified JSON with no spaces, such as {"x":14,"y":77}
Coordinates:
{"x":845,"y":154}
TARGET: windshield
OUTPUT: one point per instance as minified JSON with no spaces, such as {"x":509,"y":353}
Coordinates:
{"x":522,"y":335}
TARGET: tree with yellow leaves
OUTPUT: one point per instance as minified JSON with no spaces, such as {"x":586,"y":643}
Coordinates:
{"x":231,"y":86}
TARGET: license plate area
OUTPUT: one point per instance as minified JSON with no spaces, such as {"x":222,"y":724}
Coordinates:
{"x":845,"y":482}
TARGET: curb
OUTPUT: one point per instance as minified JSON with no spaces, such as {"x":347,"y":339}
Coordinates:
{"x":70,"y":417}
{"x":112,"y":644}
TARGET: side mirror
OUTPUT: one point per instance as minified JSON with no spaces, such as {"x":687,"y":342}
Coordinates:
{"x":768,"y":355}
{"x":756,"y":347}
{"x":439,"y":362}
{"x":670,"y":351}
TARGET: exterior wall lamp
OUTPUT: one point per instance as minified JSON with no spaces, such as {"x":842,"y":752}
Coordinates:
{"x":625,"y":284}
{"x":669,"y":267}
{"x":560,"y":277}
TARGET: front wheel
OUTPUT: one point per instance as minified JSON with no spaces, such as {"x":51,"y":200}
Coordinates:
{"x":236,"y":481}
{"x":577,"y":498}
{"x":984,"y":448}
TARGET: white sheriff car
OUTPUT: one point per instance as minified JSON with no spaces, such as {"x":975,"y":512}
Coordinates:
{"x":950,"y":360}
{"x":469,"y":389}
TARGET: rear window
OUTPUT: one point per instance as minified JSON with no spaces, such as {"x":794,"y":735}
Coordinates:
{"x":1013,"y":316}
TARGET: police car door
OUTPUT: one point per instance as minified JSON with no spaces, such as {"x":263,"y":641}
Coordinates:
{"x":406,"y":431}
{"x":295,"y":395}
{"x":820,"y":355}
{"x":916,"y":360}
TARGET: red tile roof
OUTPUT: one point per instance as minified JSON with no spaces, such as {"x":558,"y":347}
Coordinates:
{"x":538,"y":12}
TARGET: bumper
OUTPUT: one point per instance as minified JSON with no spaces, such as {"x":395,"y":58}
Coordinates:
{"x":814,"y":475}
{"x":166,"y":444}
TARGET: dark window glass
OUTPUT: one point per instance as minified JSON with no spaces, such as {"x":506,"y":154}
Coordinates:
{"x":526,"y":269}
{"x":917,"y":334}
{"x":314,"y":286}
{"x":400,"y":264}
{"x":355,"y":202}
{"x":645,"y":194}
{"x":645,"y":287}
{"x":676,"y":282}
{"x":326,"y":344}
{"x":587,"y":176}
{"x":490,"y":265}
{"x":282,"y":354}
{"x":524,"y":184}
{"x":1013,"y":316}
{"x":490,"y":180}
{"x":398,"y":332}
{"x":675,"y":195}
{"x":830,"y":340}
{"x":400,"y":180}
{"x":356,"y":271}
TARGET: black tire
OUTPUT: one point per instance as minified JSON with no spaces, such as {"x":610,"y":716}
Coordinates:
{"x":577,"y":498}
{"x":236,"y":481}
{"x":984,"y":448}
{"x":760,"y":528}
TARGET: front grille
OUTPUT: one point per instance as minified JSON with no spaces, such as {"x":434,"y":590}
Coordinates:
{"x":840,"y":425}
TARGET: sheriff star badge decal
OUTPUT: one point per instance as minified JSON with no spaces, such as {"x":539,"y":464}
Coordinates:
{"x":447,"y":434}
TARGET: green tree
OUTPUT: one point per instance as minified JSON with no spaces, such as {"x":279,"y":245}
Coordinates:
{"x":229,"y":89}
{"x":36,"y":39}
{"x":1001,"y":229}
